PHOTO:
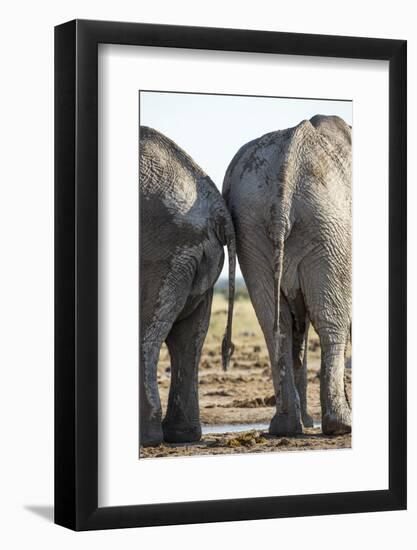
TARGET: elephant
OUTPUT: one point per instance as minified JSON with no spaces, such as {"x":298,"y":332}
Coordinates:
{"x":289,"y":195}
{"x":184,"y":226}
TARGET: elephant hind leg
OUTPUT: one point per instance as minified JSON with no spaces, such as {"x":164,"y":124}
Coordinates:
{"x":163,"y":301}
{"x":260,"y":283}
{"x":150,"y":405}
{"x":185,"y":342}
{"x":336,"y":412}
{"x":300,"y":347}
{"x":328,"y":304}
{"x":287,"y":419}
{"x":301,"y":326}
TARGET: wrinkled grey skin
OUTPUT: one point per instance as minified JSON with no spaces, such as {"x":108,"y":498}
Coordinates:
{"x":289,"y":193}
{"x":184,"y":224}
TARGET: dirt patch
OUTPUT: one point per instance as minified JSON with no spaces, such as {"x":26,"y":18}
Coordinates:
{"x":250,"y":442}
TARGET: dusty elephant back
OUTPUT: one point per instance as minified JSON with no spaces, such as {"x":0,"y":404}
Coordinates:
{"x":167,"y":172}
{"x":175,"y":189}
{"x":267,"y":173}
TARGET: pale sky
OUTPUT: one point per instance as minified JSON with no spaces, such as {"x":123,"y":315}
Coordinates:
{"x":211,"y":128}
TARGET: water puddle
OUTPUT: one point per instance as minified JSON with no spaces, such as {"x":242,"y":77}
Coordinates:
{"x":236,"y":428}
{"x":226,"y":428}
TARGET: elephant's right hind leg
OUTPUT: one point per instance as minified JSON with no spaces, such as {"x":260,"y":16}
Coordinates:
{"x":336,"y":411}
{"x":328,"y":303}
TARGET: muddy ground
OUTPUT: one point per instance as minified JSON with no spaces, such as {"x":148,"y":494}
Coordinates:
{"x":244,"y":394}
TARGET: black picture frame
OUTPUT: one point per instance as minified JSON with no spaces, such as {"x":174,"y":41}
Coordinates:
{"x":76,"y":272}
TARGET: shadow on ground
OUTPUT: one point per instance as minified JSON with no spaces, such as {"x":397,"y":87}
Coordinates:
{"x":45,"y":512}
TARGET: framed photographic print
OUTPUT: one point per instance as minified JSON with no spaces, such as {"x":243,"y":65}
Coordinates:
{"x":230,"y":255}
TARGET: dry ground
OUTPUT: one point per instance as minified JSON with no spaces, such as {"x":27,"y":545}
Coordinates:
{"x":244,"y":394}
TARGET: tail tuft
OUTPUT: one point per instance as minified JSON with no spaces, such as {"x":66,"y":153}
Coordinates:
{"x":227,"y":344}
{"x":228,"y":348}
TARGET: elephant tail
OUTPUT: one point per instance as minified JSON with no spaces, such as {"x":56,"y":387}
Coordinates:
{"x":277,"y":232}
{"x":227,"y":344}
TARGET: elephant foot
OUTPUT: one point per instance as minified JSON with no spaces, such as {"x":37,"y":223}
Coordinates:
{"x":308,"y":421}
{"x":285,"y":424}
{"x":151,"y":437}
{"x":181,"y":434}
{"x":337,"y":423}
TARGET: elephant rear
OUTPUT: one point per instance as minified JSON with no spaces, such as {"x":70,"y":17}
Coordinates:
{"x":289,"y":194}
{"x":184,"y":225}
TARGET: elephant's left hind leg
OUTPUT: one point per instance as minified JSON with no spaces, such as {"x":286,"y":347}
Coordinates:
{"x":287,"y":419}
{"x":300,"y":346}
{"x":185,"y":341}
